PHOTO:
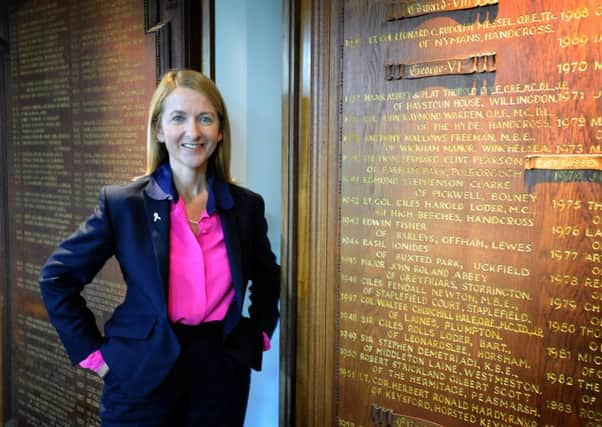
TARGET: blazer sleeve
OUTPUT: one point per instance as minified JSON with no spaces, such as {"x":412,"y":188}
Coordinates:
{"x":74,"y":264}
{"x":265,"y":274}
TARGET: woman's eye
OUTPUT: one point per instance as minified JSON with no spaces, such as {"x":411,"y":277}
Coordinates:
{"x":177,"y":118}
{"x":206,"y":120}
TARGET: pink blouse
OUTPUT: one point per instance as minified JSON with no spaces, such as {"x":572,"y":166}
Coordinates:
{"x":194,"y":262}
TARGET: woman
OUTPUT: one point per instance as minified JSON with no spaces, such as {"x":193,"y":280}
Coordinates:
{"x":177,"y":351}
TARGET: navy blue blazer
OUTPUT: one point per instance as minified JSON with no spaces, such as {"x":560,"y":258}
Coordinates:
{"x":132,"y":224}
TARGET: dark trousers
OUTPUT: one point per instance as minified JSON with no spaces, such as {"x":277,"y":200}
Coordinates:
{"x":207,"y":387}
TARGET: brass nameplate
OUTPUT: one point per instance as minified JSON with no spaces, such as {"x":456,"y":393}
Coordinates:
{"x":563,"y":161}
{"x":383,"y":417}
{"x":410,"y":8}
{"x":481,"y":63}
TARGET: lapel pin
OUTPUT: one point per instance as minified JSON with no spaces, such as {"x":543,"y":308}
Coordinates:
{"x":156,"y":217}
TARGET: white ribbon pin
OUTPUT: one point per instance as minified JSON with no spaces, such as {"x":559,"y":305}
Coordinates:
{"x":156,"y":217}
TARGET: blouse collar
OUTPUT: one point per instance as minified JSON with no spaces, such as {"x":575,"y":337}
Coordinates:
{"x":161,"y":187}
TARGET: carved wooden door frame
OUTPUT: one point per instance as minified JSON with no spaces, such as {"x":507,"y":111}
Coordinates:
{"x":310,"y":169}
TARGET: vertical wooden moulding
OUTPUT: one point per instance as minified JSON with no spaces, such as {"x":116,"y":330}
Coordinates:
{"x":302,"y":223}
{"x":311,"y":206}
{"x":153,"y":23}
{"x":196,"y":17}
{"x":207,"y":48}
{"x":192,"y":37}
{"x":185,"y":34}
{"x":290,"y":111}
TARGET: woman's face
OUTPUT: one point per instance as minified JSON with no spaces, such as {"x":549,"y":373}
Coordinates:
{"x":190,"y":129}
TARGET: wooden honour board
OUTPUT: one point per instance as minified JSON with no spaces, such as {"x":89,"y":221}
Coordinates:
{"x":469,"y":221}
{"x":80,"y":76}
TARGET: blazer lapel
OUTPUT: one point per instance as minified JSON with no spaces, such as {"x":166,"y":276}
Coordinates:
{"x":157,"y":217}
{"x":232,"y":238}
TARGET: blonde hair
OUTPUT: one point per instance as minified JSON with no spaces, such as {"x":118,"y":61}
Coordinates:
{"x":155,"y":150}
